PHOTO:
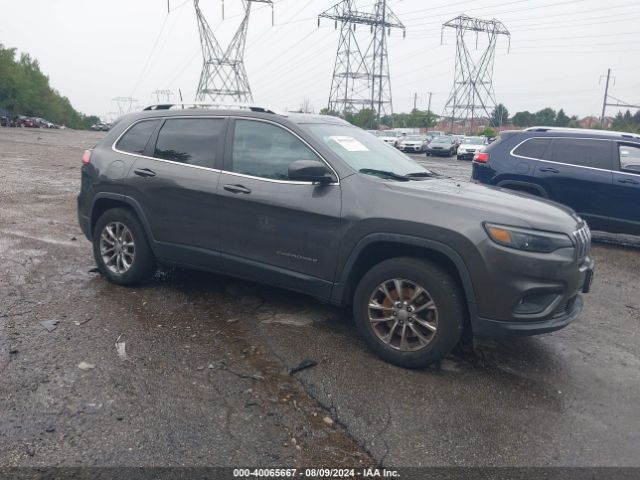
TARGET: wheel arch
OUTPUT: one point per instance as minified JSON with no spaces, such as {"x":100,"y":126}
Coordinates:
{"x":107,"y":201}
{"x":378,"y":247}
{"x":522,"y":186}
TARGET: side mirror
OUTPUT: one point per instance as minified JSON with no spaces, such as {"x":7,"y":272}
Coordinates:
{"x":310,"y":171}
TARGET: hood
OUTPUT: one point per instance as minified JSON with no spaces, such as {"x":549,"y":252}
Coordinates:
{"x":476,"y":146}
{"x":490,"y":204}
{"x":440,"y":144}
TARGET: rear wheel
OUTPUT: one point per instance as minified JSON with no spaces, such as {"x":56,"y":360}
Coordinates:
{"x":409,"y":311}
{"x":121,"y":248}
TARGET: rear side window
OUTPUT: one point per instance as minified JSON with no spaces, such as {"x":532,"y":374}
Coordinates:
{"x":533,"y":148}
{"x":584,"y":153}
{"x":136,"y":138}
{"x":193,"y":141}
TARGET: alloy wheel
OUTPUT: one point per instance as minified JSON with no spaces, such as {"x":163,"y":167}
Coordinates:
{"x":403,"y":315}
{"x":117,"y":247}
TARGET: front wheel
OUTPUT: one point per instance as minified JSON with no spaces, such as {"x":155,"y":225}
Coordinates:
{"x":121,"y":248}
{"x":409,"y":311}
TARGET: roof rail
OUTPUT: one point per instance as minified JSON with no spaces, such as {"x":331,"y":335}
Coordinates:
{"x":219,"y":106}
{"x":582,"y":130}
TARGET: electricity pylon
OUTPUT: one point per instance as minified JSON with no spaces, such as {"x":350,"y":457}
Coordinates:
{"x":223,"y":74}
{"x":166,"y":94}
{"x":125,"y":104}
{"x":472,"y":95}
{"x":361,"y":77}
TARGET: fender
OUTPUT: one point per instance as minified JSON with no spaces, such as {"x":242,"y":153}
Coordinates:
{"x":517,"y":183}
{"x":133,"y":204}
{"x":339,"y":289}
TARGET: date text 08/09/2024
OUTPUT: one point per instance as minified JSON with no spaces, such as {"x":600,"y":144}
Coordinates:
{"x":282,"y":473}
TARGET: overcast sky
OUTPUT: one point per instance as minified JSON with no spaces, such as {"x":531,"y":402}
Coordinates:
{"x":95,"y":50}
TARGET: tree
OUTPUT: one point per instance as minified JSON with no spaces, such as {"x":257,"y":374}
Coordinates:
{"x":25,"y":90}
{"x":545,"y":117}
{"x":499,"y":116}
{"x":562,"y":120}
{"x":523,"y":119}
{"x":305,"y":106}
{"x":487,"y":132}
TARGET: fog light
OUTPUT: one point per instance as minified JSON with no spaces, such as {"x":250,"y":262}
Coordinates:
{"x":532,"y":304}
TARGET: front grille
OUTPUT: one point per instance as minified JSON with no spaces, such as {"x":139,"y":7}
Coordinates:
{"x":583,"y":241}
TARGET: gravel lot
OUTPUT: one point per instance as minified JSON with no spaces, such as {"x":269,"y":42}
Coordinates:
{"x":205,"y":380}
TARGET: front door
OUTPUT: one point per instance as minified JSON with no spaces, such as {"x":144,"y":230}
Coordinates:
{"x":272,"y":229}
{"x":625,"y":216}
{"x":577,"y":172}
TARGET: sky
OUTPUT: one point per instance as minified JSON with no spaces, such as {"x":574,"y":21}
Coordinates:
{"x":560,"y":50}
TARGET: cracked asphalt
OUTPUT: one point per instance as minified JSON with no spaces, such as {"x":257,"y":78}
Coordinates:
{"x":204,"y":375}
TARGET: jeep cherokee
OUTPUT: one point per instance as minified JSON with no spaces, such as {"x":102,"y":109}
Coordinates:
{"x":313,"y":204}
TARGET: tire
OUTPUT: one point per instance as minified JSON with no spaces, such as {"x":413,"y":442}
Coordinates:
{"x":438,"y":286}
{"x":459,"y":157}
{"x":136,"y":252}
{"x":428,"y":154}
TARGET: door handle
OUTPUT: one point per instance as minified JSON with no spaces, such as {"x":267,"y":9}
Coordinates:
{"x":549,"y":170}
{"x":144,"y":172}
{"x":237,"y":189}
{"x":629,"y":180}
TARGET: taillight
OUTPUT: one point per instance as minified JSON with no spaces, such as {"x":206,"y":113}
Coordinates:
{"x":481,"y":157}
{"x":86,"y":157}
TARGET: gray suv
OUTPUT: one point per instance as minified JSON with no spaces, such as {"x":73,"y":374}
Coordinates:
{"x":313,"y":204}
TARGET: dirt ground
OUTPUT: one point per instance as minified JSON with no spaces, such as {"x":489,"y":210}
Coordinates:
{"x":204,"y":376}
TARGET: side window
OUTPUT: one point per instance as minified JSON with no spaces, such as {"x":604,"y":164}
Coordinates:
{"x":190,"y":140}
{"x":584,"y":153}
{"x":629,"y":158}
{"x":264,"y":150}
{"x":533,"y":148}
{"x":136,"y":138}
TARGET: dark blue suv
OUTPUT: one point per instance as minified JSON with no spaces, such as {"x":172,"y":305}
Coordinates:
{"x":597,"y":173}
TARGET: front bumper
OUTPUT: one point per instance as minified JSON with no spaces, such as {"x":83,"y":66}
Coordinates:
{"x":439,"y":152}
{"x":484,"y":327}
{"x":466,"y":155}
{"x":411,"y":148}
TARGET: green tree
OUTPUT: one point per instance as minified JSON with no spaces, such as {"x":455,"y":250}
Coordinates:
{"x":499,"y":116}
{"x":545,"y":117}
{"x":562,"y":120}
{"x":487,"y":132}
{"x":523,"y":119}
{"x":25,"y":90}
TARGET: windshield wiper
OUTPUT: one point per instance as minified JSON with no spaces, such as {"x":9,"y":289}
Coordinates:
{"x":395,"y":176}
{"x":425,"y":174}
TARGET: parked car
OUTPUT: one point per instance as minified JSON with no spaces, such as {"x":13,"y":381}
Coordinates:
{"x":4,"y":121}
{"x":22,"y":121}
{"x":413,"y":144}
{"x":42,"y":123}
{"x":469,"y":146}
{"x":313,"y":204}
{"x":595,"y":172}
{"x":99,"y":127}
{"x":389,"y":138}
{"x":442,"y":146}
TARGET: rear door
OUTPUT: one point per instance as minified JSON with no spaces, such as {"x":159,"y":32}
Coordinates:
{"x":275,"y":230}
{"x":176,"y":181}
{"x":625,"y":216}
{"x":577,"y":172}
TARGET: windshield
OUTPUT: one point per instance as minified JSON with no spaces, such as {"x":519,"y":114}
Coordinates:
{"x":361,"y":150}
{"x":474,"y":140}
{"x":414,"y":138}
{"x":442,"y":140}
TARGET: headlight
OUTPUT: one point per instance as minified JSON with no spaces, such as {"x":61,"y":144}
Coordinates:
{"x":528,"y":240}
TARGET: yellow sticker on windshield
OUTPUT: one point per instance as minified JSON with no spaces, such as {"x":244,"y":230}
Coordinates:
{"x":350,"y":144}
